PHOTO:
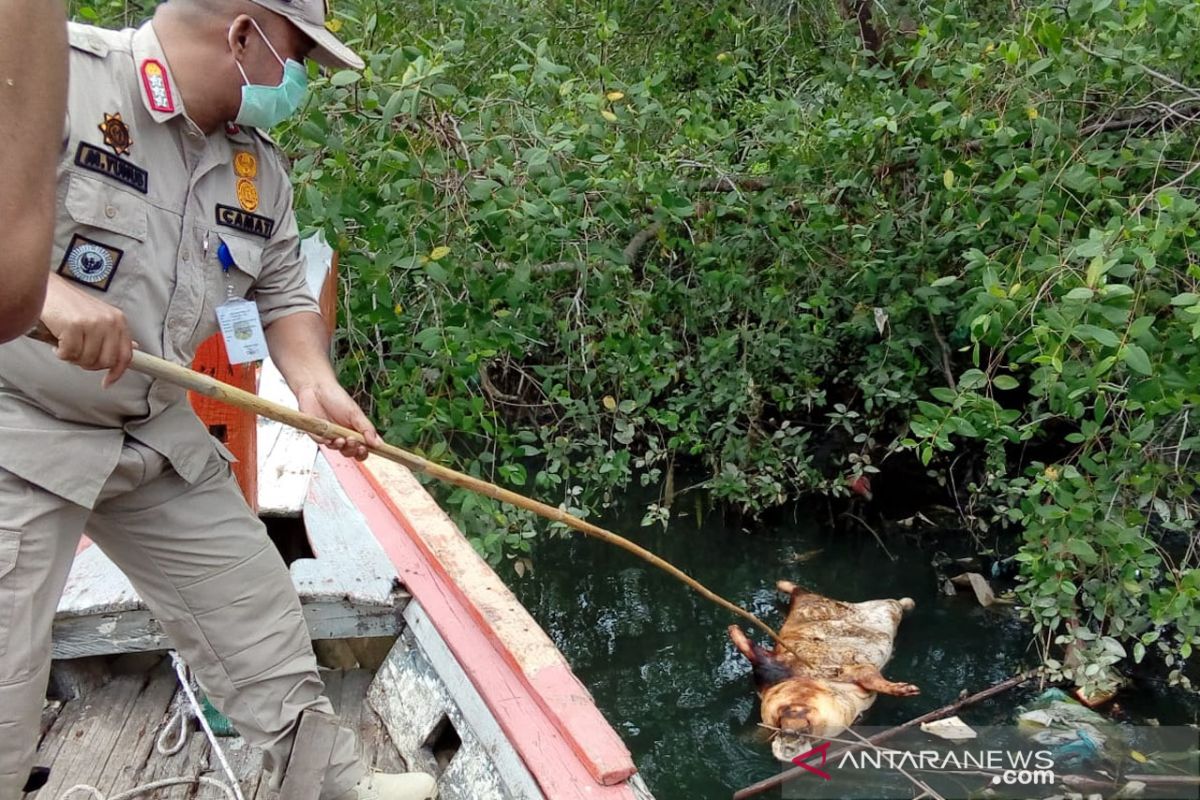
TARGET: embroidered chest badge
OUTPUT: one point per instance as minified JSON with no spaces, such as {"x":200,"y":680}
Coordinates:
{"x":90,"y":262}
{"x":116,"y":134}
{"x":245,"y":165}
{"x":247,"y":194}
{"x":158,"y":88}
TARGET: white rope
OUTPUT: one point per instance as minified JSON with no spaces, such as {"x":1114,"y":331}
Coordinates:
{"x":182,"y":713}
{"x":180,"y":670}
{"x":180,"y":717}
{"x":149,"y":787}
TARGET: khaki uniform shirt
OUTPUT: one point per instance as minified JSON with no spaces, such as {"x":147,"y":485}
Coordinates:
{"x":145,"y":200}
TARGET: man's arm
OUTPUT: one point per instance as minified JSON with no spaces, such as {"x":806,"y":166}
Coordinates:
{"x":33,"y":100}
{"x":300,"y":349}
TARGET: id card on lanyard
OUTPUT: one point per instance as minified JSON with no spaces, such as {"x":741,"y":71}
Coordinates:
{"x":241,"y":326}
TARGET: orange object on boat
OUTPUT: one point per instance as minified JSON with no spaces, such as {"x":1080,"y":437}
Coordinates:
{"x":235,"y":428}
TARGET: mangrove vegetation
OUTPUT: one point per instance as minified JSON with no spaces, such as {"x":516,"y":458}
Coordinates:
{"x":944,"y":251}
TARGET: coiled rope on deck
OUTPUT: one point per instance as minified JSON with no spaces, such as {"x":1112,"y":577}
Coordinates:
{"x":182,"y":714}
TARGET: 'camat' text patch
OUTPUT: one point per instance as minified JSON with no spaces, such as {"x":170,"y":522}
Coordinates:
{"x":245,"y":222}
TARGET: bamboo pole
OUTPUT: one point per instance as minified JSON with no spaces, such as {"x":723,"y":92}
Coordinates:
{"x":191,"y":380}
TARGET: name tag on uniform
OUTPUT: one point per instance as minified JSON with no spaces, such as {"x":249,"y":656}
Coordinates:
{"x":241,"y":327}
{"x":244,"y":221}
{"x":93,"y":158}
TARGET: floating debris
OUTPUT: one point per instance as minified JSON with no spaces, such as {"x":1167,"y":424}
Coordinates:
{"x":952,"y":729}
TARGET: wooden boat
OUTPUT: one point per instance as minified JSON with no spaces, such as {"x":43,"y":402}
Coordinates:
{"x":433,"y":658}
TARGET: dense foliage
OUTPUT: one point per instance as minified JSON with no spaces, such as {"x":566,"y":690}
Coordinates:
{"x":587,"y":242}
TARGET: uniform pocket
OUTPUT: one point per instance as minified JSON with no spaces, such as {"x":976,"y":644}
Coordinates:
{"x":246,"y":259}
{"x":92,"y":203}
{"x":235,"y":264}
{"x":10,"y":545}
{"x":102,"y":236}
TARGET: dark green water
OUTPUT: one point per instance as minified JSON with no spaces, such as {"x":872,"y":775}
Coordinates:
{"x":659,"y":662}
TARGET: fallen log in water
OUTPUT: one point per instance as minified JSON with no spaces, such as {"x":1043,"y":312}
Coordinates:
{"x":945,"y":711}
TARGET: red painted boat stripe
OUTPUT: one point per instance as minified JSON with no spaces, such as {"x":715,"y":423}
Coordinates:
{"x":564,"y":740}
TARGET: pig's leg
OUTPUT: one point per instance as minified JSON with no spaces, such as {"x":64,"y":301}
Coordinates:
{"x":743,"y":644}
{"x":870,"y":679}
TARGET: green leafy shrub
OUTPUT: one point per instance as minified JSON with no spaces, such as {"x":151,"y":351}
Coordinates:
{"x":584,"y":243}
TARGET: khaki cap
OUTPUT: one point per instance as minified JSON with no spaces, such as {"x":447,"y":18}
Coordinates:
{"x":309,"y":16}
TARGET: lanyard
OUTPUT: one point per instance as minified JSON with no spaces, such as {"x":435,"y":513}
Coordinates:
{"x":226,"y":259}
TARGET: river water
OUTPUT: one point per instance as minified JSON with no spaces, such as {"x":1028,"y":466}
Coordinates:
{"x":659,"y":662}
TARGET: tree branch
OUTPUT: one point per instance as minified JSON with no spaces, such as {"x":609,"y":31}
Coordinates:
{"x":639,"y":241}
{"x":1167,"y":79}
{"x":945,"y":348}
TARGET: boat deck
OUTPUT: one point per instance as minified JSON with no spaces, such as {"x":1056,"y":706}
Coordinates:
{"x":106,"y":739}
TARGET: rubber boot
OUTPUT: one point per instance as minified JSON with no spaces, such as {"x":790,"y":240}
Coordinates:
{"x":388,"y":786}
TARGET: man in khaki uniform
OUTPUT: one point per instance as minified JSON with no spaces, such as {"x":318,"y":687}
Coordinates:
{"x":170,"y":205}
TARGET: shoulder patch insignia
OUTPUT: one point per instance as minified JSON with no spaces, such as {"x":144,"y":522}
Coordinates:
{"x":116,"y":133}
{"x":93,"y":158}
{"x":90,"y":262}
{"x":87,"y":39}
{"x":266,"y":137}
{"x":158,"y":88}
{"x":244,"y":221}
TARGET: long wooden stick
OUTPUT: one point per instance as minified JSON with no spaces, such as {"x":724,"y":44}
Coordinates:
{"x":194,"y":381}
{"x":944,"y":711}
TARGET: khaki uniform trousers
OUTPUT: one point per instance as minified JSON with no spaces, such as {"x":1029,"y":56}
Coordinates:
{"x":210,"y":575}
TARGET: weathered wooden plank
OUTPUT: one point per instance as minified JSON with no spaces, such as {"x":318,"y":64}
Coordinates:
{"x":135,"y":742}
{"x":285,"y":455}
{"x":349,"y":562}
{"x":423,"y":683}
{"x":351,"y":707}
{"x":132,"y":759}
{"x":96,"y":586}
{"x":311,"y":752}
{"x":93,"y":734}
{"x":137,"y":631}
{"x":50,"y":713}
{"x":333,"y":679}
{"x":410,"y":699}
{"x":191,"y":761}
{"x":353,"y":696}
{"x":53,"y":739}
{"x":377,"y":747}
{"x":246,"y":763}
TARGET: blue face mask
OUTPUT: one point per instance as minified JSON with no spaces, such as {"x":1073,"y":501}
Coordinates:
{"x":266,"y":106}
